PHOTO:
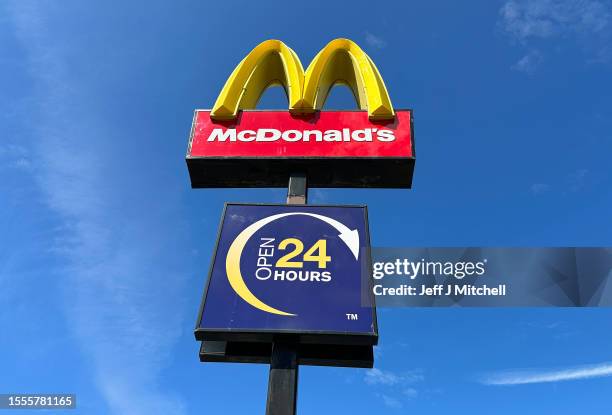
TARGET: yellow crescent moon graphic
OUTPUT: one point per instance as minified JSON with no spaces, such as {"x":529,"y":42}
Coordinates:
{"x":232,"y":267}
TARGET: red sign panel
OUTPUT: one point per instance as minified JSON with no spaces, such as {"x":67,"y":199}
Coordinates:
{"x":333,"y":148}
{"x":280,"y":134}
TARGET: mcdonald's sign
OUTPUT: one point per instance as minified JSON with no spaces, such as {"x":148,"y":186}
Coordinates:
{"x":236,"y":145}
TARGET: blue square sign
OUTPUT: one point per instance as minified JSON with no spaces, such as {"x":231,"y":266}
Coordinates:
{"x":290,"y":269}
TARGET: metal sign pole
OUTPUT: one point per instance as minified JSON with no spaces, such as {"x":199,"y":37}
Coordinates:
{"x":283,"y":380}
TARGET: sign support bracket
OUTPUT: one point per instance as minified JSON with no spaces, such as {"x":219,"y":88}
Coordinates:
{"x":297,"y":193}
{"x":283,"y":379}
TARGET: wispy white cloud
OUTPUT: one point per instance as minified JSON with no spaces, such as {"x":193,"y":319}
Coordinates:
{"x":395,"y":388}
{"x":539,"y":188}
{"x":390,"y":401}
{"x":375,"y":41}
{"x":413,"y":376}
{"x":410,"y":393}
{"x":14,"y":156}
{"x":573,"y":182}
{"x":538,"y":22}
{"x":383,"y":377}
{"x":548,"y":376}
{"x":122,"y":295}
{"x":380,"y":377}
{"x":529,"y":62}
{"x":12,"y":150}
{"x":525,"y":19}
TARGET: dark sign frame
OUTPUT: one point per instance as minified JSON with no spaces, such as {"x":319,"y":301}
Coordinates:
{"x":299,"y":336}
{"x":307,"y":354}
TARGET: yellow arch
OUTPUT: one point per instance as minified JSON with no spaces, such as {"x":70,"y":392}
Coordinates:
{"x":269,"y":63}
{"x":232,"y":266}
{"x":342,"y":61}
{"x":272,"y":62}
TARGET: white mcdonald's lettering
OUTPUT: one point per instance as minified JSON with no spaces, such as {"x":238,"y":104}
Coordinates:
{"x":271,"y":134}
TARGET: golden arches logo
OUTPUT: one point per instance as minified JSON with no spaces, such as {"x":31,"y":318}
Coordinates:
{"x":272,"y":62}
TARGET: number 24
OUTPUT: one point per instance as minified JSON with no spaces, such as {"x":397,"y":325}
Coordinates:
{"x":320,"y":246}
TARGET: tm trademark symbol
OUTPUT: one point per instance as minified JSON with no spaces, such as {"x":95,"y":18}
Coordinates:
{"x":351,"y":316}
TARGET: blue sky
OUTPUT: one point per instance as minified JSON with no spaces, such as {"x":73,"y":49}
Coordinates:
{"x":105,"y":246}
